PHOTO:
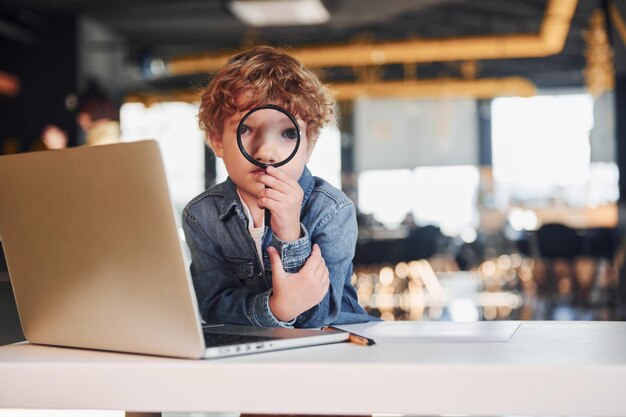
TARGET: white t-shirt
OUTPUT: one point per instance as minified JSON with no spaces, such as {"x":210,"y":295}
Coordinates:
{"x":255,"y":232}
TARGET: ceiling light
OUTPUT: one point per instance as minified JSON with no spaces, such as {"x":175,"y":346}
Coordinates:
{"x":279,"y":12}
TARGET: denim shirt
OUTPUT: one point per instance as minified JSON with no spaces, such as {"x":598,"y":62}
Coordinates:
{"x":231,"y":284}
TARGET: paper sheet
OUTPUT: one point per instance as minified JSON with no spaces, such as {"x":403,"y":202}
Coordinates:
{"x":429,"y":331}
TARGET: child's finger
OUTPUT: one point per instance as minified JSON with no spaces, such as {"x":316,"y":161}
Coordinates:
{"x":269,"y":204}
{"x":312,"y":264}
{"x":275,"y":183}
{"x":277,"y":173}
{"x":272,"y":194}
{"x":277,"y":264}
{"x":282,"y":176}
{"x":321,"y":266}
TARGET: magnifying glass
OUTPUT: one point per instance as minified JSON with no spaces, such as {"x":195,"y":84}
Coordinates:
{"x":268,"y":135}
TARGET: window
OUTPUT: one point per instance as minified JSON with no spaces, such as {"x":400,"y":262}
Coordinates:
{"x":542,"y":164}
{"x":385,"y":195}
{"x":443,"y":196}
{"x":541,"y":147}
{"x":174,"y":126}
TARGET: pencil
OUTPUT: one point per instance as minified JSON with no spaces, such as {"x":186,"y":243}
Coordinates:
{"x":353,"y":338}
{"x":360,"y":340}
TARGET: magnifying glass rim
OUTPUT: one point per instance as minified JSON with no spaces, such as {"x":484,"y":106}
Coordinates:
{"x":243,"y":149}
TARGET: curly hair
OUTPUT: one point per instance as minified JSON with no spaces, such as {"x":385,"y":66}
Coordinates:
{"x":264,"y":75}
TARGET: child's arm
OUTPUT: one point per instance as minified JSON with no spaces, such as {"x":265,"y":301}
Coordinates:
{"x":222,"y":297}
{"x":283,"y":197}
{"x":315,"y":301}
{"x":293,"y":294}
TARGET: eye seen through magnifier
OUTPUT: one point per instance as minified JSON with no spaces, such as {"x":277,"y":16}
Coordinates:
{"x":268,"y":136}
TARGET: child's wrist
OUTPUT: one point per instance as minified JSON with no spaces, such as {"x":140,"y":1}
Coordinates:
{"x":280,"y":311}
{"x":290,"y":235}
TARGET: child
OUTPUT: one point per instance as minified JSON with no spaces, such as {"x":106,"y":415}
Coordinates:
{"x":297,"y":271}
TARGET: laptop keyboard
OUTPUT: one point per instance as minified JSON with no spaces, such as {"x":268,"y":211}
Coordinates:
{"x":223,"y":339}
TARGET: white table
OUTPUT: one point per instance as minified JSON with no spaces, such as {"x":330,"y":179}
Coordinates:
{"x":548,"y":368}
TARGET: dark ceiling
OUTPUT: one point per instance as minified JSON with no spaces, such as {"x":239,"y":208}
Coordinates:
{"x":169,"y":29}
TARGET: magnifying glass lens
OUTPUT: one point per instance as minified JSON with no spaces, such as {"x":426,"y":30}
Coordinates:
{"x":268,"y":136}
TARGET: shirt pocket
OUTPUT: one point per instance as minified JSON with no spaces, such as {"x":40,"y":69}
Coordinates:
{"x":243,"y":270}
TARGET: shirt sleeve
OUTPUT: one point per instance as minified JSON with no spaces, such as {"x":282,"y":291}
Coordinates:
{"x":222,"y":297}
{"x":293,"y":254}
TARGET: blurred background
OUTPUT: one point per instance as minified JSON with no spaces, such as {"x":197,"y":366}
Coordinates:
{"x":480,"y":140}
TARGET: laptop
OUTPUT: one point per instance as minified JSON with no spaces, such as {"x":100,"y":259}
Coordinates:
{"x":95,"y":260}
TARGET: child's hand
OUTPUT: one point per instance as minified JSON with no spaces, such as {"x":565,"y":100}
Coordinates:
{"x":283,"y":198}
{"x":296,"y":293}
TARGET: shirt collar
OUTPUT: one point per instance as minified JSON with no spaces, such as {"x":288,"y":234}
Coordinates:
{"x":307,"y":183}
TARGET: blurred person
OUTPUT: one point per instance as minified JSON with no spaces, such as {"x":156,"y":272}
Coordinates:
{"x":53,"y":137}
{"x":97,"y":117}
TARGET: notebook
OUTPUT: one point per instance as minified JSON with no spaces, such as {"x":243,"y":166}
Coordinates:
{"x":95,"y":260}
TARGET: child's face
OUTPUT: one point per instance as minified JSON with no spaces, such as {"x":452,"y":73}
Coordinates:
{"x":241,"y":171}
